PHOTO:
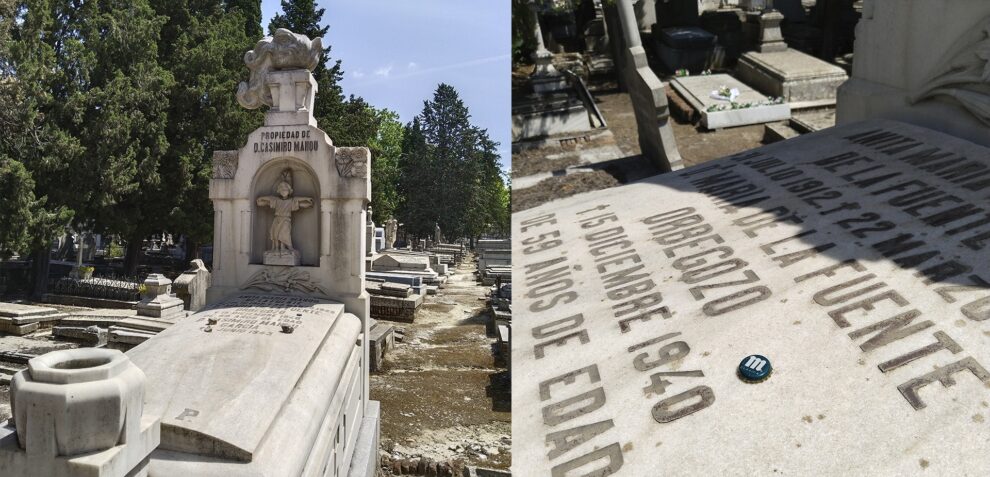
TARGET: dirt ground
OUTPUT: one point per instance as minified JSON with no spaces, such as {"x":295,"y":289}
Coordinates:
{"x":695,"y":144}
{"x":442,"y":396}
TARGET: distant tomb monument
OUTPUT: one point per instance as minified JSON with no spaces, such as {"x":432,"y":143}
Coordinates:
{"x":391,"y":229}
{"x":270,"y":378}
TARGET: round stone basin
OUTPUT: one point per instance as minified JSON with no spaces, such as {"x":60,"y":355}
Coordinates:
{"x":77,"y":365}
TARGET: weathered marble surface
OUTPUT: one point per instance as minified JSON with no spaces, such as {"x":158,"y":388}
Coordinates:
{"x":906,"y":50}
{"x":233,"y":382}
{"x":78,"y":412}
{"x":855,"y":259}
{"x":799,"y":78}
{"x":15,"y":310}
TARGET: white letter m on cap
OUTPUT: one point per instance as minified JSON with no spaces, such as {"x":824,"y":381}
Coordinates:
{"x":755,"y":363}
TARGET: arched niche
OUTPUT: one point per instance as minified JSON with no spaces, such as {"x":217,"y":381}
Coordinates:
{"x":305,"y":222}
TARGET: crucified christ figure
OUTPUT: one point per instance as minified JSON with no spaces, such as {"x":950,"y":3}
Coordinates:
{"x":284,"y":204}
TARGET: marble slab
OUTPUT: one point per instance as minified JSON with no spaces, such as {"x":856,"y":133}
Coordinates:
{"x":854,"y":259}
{"x":219,"y":378}
{"x":15,"y":310}
{"x":801,"y":79}
{"x":697,"y":91}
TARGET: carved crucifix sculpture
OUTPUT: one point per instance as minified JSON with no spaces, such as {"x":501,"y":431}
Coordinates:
{"x":280,"y":233}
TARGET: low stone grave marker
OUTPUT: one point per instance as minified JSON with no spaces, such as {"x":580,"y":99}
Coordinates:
{"x":749,"y":107}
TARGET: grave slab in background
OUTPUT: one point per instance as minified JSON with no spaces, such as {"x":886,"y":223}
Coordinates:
{"x":854,"y":259}
{"x":697,"y":91}
{"x":801,"y":79}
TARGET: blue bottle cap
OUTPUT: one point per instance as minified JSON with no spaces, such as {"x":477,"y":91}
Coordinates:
{"x":755,"y":368}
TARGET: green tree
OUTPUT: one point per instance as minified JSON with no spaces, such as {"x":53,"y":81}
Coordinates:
{"x":45,"y":156}
{"x":202,"y":45}
{"x":122,"y":114}
{"x":251,"y":11}
{"x":18,"y":207}
{"x":489,"y":210}
{"x":415,"y":185}
{"x":386,"y":148}
{"x":449,"y":172}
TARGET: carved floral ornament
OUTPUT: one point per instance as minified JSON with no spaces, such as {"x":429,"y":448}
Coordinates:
{"x":352,"y":161}
{"x":224,"y":164}
{"x":965,"y":75}
{"x":284,"y":279}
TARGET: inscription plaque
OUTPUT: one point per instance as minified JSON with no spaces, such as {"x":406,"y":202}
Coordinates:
{"x":857,"y":258}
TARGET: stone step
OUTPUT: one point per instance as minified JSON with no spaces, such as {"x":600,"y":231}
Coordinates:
{"x":9,"y":370}
{"x":776,"y":132}
{"x":17,"y":330}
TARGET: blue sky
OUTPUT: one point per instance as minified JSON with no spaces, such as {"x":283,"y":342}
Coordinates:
{"x":394,"y":53}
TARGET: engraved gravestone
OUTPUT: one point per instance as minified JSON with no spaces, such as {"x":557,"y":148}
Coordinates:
{"x":814,"y":307}
{"x":855,"y":260}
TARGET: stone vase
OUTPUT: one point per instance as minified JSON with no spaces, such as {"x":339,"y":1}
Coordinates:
{"x":76,"y":401}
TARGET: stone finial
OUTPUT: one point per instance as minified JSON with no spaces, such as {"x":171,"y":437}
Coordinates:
{"x":158,"y":284}
{"x":771,"y":39}
{"x":158,"y":301}
{"x":282,"y":51}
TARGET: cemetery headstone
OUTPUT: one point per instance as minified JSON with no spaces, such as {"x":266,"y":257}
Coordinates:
{"x":837,"y":256}
{"x":656,"y":137}
{"x":805,"y":308}
{"x":370,"y":234}
{"x":771,"y":39}
{"x":723,"y":101}
{"x":391,"y":229}
{"x":191,"y":286}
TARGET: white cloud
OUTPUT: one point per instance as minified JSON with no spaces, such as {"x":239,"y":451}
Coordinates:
{"x":357,"y":74}
{"x":384,"y":71}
